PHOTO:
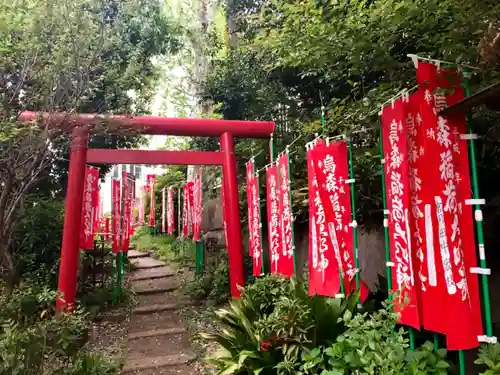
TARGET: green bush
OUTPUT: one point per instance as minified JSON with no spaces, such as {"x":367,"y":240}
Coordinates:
{"x":89,"y":364}
{"x":37,"y":238}
{"x":273,"y":323}
{"x":32,"y":336}
{"x":489,"y":356}
{"x":212,"y":284}
{"x":372,"y":344}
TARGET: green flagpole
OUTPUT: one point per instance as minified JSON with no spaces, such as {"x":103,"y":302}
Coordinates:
{"x":291,"y":213}
{"x":353,"y":208}
{"x":478,"y":217}
{"x":113,"y":283}
{"x":386,"y":219}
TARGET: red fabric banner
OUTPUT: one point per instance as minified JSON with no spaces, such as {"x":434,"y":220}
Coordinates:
{"x":141,"y":206}
{"x":324,"y":276}
{"x":89,"y":208}
{"x":332,"y":173}
{"x":393,"y":121}
{"x":190,"y":210}
{"x":107,"y":228}
{"x":256,"y":244}
{"x":273,"y":219}
{"x":151,"y":189}
{"x":116,"y":214}
{"x":126,"y":199}
{"x":286,"y":262}
{"x":170,"y":211}
{"x":452,"y":235}
{"x":249,"y":184}
{"x":132,"y":204}
{"x":163,"y":211}
{"x":197,"y":205}
{"x":185,"y":212}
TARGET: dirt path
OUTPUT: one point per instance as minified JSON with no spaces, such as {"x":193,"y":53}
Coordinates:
{"x":157,"y":340}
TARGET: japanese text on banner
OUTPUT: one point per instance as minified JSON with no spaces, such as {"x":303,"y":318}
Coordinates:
{"x":89,"y":208}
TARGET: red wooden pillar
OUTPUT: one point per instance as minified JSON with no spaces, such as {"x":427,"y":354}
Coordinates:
{"x":68,"y":269}
{"x":232,"y":210}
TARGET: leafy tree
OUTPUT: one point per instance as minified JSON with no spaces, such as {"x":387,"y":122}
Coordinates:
{"x":68,"y":55}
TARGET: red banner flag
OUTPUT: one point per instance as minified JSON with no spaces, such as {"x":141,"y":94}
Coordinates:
{"x":141,"y":206}
{"x":132,"y":204}
{"x":190,"y":186}
{"x":449,"y":226}
{"x":197,"y":206}
{"x":185,"y":212}
{"x":393,"y":121}
{"x":107,"y":228}
{"x":273,"y":219}
{"x":324,"y":276}
{"x":163,"y":211}
{"x":116,"y":214}
{"x":332,"y":173}
{"x":170,"y":211}
{"x":126,"y":201}
{"x":249,"y":183}
{"x":256,"y":244}
{"x":151,"y":189}
{"x":89,"y":208}
{"x":286,"y":262}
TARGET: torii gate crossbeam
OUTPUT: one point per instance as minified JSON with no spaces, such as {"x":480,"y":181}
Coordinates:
{"x":80,"y":156}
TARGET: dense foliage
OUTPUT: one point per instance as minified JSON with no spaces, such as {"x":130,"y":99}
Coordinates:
{"x":276,"y":328}
{"x":293,"y":57}
{"x":34,"y":340}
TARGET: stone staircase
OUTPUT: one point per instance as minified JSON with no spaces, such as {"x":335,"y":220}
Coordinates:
{"x":157,"y":340}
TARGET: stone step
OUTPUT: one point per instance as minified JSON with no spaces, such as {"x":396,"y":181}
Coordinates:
{"x":161,"y":299}
{"x":155,"y":363}
{"x":158,"y":308}
{"x":148,"y":262}
{"x":170,"y":370}
{"x":134,"y":254}
{"x":152,"y":273}
{"x":155,"y":286}
{"x":156,"y":332}
{"x":146,"y":322}
{"x":155,"y":346}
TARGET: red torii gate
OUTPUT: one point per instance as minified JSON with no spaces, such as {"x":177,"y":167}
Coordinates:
{"x":80,"y":155}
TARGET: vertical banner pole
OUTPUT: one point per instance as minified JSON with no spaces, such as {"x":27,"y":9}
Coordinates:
{"x":386,"y":219}
{"x":113,"y":280}
{"x":291,"y":212}
{"x":353,"y":208}
{"x":478,"y":216}
{"x":260,"y":224}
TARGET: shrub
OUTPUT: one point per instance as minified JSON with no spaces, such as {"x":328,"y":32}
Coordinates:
{"x":212,"y":284}
{"x":36,"y":240}
{"x":489,"y":356}
{"x":372,"y":344}
{"x":32,"y":336}
{"x":273,"y":323}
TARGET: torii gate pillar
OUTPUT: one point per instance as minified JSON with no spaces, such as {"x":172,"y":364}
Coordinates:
{"x":68,"y":267}
{"x":232,"y":210}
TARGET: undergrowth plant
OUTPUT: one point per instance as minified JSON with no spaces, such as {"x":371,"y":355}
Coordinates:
{"x":489,"y":356}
